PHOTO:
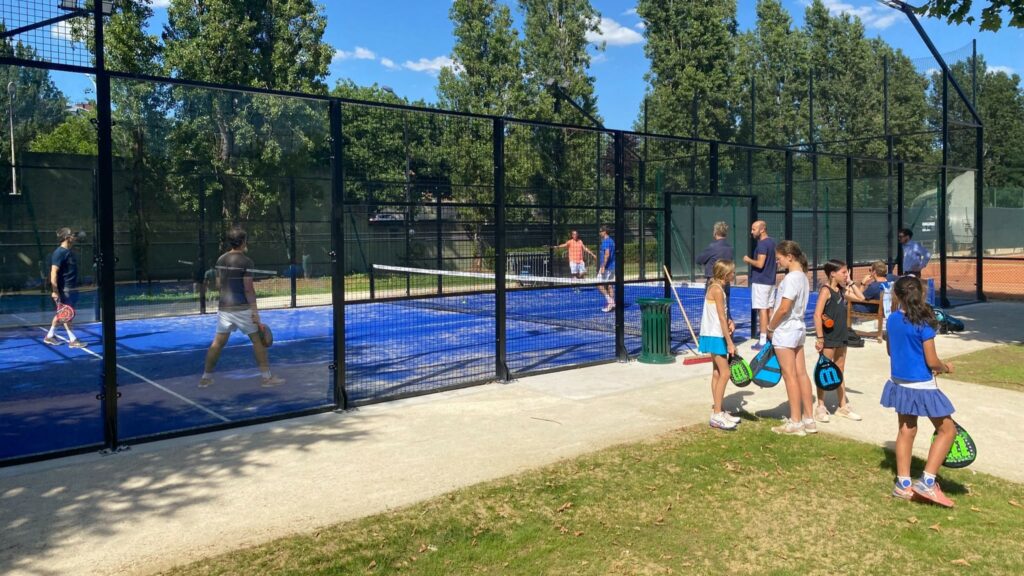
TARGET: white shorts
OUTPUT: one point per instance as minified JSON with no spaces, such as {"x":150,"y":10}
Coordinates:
{"x":241,"y":320}
{"x":762,"y":296}
{"x":789,"y":339}
{"x":606,"y":276}
{"x":577,"y":268}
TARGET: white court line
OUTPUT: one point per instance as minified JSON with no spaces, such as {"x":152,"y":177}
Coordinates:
{"x":143,"y":378}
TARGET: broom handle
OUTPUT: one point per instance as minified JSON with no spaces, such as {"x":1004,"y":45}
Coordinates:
{"x":680,"y":302}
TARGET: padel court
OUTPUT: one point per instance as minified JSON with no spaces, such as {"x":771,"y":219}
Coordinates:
{"x":392,"y":349}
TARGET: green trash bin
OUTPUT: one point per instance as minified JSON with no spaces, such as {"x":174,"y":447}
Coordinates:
{"x":656,"y":320}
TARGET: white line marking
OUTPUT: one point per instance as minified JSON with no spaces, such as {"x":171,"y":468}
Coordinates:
{"x":144,"y":379}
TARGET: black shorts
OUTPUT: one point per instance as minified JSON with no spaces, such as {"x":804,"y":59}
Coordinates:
{"x":69,"y":297}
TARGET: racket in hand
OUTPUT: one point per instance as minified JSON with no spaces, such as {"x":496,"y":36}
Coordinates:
{"x":962,"y":452}
{"x":65,"y":313}
{"x":739,"y":371}
{"x":827,"y":375}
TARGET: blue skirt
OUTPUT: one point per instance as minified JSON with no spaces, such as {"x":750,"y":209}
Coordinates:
{"x":910,"y":401}
{"x":713,"y":345}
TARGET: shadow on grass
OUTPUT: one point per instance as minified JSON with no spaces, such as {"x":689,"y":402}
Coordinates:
{"x":888,"y":462}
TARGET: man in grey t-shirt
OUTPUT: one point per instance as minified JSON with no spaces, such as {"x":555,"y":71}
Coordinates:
{"x":237,"y":309}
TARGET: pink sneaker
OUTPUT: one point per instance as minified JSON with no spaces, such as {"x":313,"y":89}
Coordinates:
{"x":931,"y":493}
{"x":902,"y":493}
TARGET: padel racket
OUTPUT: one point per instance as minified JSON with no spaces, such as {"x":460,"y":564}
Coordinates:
{"x":962,"y":452}
{"x":266,"y":335}
{"x":827,"y":375}
{"x":765,"y":367}
{"x":739,"y":371}
{"x":65,"y":313}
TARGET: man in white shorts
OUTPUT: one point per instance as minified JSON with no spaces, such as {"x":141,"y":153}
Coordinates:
{"x":762,"y":278}
{"x":237,"y":309}
{"x":576,"y":248}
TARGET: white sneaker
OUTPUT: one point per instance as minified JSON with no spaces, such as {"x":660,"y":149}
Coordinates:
{"x":607,"y":308}
{"x":809,"y":426}
{"x":719,"y":421}
{"x":789,"y":428}
{"x":731,"y":418}
{"x":847,"y":412}
{"x":821,"y":413}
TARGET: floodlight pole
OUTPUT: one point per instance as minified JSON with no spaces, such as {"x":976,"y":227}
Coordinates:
{"x":10,"y":115}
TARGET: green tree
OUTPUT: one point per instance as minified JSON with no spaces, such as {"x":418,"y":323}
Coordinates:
{"x":75,"y":135}
{"x":39,"y":106}
{"x":488,"y":80}
{"x":959,"y":11}
{"x":246,"y":142}
{"x":691,"y":47}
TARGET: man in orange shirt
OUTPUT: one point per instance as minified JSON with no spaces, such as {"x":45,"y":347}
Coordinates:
{"x":576,"y":248}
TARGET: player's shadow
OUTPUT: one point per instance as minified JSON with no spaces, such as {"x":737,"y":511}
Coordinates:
{"x":776,"y":413}
{"x":735,"y":403}
{"x":888,"y":462}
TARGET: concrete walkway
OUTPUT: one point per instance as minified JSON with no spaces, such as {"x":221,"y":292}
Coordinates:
{"x":168,"y":503}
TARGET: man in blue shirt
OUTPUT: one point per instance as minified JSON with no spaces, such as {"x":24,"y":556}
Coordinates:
{"x":606,"y":268}
{"x":915,"y":256}
{"x":64,"y":280}
{"x":762,"y":278}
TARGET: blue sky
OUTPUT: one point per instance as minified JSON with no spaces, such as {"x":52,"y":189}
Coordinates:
{"x":403,"y":44}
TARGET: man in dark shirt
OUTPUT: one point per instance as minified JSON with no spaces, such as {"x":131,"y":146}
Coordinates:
{"x":64,"y":280}
{"x":237,"y":309}
{"x":719,"y":249}
{"x":762,"y":277}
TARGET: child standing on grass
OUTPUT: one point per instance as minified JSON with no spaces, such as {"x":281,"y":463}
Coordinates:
{"x":832,"y":335}
{"x":716,"y":339}
{"x":913,"y":392}
{"x":787,"y":332}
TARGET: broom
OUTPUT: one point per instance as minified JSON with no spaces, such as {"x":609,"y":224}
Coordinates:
{"x":697,"y":358}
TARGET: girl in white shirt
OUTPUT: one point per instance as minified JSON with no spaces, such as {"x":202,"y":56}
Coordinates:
{"x":787,"y":331}
{"x":716,"y":339}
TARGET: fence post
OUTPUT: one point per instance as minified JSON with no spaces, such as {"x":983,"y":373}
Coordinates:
{"x":849,"y":212}
{"x":620,"y":252}
{"x":941,"y":194}
{"x":901,"y":175}
{"x":338,"y":255}
{"x":979,"y":212}
{"x":291,"y":241}
{"x":713,"y":160}
{"x":500,"y":353}
{"x":666,"y":239}
{"x":788,"y":192}
{"x":107,"y":257}
{"x":200,"y":267}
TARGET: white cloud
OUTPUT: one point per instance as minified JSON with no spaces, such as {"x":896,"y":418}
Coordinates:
{"x":640,"y":26}
{"x":61,"y":31}
{"x":161,"y":3}
{"x":630,"y":12}
{"x":388,"y":63}
{"x":431,"y":65}
{"x":359,"y":53}
{"x":598,"y":58}
{"x":931,"y":72}
{"x":614,"y":34}
{"x":874,"y":16}
{"x":1004,"y":69}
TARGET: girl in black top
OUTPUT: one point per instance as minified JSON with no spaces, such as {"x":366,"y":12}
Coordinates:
{"x":832,"y":331}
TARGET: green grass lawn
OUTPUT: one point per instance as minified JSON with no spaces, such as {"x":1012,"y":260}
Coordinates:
{"x":999,"y":366}
{"x":696,"y":501}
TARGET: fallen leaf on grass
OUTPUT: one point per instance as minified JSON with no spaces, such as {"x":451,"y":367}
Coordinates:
{"x":961,"y":562}
{"x":564,"y":507}
{"x":373,"y":564}
{"x":975,"y":509}
{"x":912,"y":519}
{"x":659,"y":521}
{"x":1015,"y":504}
{"x":578,"y":533}
{"x":935,"y":527}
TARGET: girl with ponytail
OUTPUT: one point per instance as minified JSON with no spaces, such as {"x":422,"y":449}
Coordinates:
{"x":912,"y":391}
{"x":787,"y":331}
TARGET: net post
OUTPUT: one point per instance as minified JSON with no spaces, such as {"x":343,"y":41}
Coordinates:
{"x":666,"y":242}
{"x":500,"y":352}
{"x":373,"y":290}
{"x":200,"y":267}
{"x":620,"y":240}
{"x":337,"y":255}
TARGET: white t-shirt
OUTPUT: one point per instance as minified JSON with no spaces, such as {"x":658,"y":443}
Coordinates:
{"x":794,"y":287}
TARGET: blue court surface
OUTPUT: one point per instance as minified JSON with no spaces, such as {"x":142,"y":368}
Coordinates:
{"x":48,"y":399}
